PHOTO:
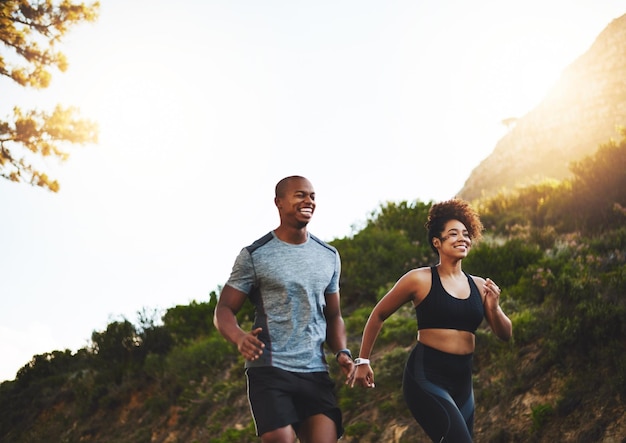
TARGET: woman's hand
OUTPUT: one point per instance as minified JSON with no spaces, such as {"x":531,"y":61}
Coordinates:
{"x":363,"y":376}
{"x":498,"y":321}
{"x":492,"y":294}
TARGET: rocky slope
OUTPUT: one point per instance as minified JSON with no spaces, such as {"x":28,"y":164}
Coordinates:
{"x":581,"y":111}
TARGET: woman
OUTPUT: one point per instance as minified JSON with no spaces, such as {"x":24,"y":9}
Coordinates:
{"x":449,"y":305}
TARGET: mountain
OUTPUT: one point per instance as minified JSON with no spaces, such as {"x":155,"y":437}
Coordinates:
{"x":582,"y":110}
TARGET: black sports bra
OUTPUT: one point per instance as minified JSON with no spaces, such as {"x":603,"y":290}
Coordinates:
{"x":440,"y":310}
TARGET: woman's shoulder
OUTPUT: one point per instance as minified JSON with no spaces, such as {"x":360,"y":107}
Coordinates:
{"x":478,"y":280}
{"x":418,"y":278}
{"x":423,"y":272}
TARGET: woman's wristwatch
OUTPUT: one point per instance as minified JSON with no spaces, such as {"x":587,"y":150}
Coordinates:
{"x":361,"y":361}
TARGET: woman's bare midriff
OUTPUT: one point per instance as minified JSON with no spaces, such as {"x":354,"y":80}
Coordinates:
{"x":451,"y":341}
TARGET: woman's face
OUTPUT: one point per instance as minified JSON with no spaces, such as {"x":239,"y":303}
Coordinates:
{"x":455,"y":239}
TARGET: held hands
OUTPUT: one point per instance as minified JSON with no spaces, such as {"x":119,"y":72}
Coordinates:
{"x":249,"y":346}
{"x":362,"y":375}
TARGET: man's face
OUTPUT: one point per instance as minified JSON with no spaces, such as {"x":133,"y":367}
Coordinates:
{"x":297,"y":205}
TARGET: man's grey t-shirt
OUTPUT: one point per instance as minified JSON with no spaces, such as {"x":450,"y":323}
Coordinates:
{"x":287,"y":285}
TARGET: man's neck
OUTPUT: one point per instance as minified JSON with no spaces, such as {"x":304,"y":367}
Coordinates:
{"x":292,"y":235}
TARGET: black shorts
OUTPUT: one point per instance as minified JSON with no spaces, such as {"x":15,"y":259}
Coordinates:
{"x":279,"y":398}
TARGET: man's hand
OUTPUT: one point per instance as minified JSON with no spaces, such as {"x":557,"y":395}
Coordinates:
{"x":346,"y":364}
{"x":250,"y":346}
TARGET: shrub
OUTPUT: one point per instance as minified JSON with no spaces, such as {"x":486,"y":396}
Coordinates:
{"x":359,"y":429}
{"x":502,"y":263}
{"x":540,"y":415}
{"x":199,"y":359}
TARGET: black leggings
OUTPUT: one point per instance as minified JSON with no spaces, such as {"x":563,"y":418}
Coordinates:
{"x":438,"y":389}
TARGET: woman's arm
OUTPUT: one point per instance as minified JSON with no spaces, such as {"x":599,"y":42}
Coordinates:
{"x":403,"y":291}
{"x":498,"y":321}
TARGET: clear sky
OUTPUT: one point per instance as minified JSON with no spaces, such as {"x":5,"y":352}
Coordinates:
{"x":204,"y":105}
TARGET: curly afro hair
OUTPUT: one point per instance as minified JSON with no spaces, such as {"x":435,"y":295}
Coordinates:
{"x":455,"y":209}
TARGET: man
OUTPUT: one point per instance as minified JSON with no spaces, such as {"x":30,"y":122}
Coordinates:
{"x":292,"y":278}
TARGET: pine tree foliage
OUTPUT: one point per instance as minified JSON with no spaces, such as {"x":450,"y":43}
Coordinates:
{"x":30,"y":32}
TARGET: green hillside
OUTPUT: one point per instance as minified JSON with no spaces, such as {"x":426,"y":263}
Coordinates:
{"x":557,"y":249}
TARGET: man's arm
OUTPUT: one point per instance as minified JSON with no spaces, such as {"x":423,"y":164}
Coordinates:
{"x":228,"y":305}
{"x":336,"y":332}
